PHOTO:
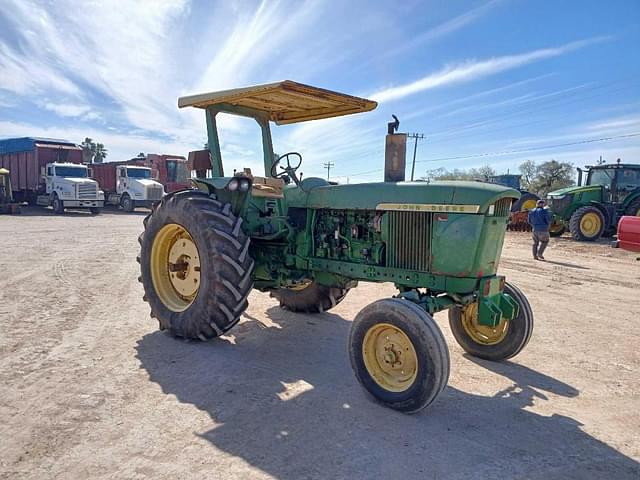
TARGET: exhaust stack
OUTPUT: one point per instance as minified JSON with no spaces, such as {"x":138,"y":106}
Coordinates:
{"x":395,"y":153}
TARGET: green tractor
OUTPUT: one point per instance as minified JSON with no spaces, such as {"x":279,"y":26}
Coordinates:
{"x":309,"y":242}
{"x":592,"y":210}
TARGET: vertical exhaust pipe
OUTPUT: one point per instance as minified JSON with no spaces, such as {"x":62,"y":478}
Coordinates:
{"x":395,"y":153}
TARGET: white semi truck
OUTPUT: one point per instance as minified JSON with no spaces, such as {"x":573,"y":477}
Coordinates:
{"x":66,"y":185}
{"x":128,"y":186}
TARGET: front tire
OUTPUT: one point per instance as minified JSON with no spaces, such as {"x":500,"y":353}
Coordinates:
{"x":58,"y":205}
{"x":127,"y":203}
{"x":504,"y":341}
{"x":587,"y":224}
{"x":195,"y":266}
{"x":311,"y":298}
{"x":399,"y":354}
{"x":94,"y":210}
{"x":633,"y":210}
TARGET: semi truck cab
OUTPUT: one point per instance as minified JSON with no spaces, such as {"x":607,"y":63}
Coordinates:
{"x":66,"y":185}
{"x":136,"y":188}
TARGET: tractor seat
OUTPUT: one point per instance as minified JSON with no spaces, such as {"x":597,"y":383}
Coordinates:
{"x":265,"y":187}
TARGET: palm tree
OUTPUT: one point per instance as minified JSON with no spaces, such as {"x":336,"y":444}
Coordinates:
{"x":88,"y":150}
{"x":100,"y":153}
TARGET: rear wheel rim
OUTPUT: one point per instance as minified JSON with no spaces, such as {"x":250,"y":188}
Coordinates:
{"x":175,"y":267}
{"x":390,"y":357}
{"x":528,"y":205}
{"x":590,"y":224}
{"x":482,"y":334}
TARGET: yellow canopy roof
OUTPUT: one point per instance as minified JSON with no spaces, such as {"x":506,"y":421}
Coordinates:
{"x":285,"y":102}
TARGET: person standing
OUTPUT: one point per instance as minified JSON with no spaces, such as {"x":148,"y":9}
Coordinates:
{"x":540,"y":220}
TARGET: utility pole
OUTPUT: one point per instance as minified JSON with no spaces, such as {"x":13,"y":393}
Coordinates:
{"x":328,"y":166}
{"x":416,"y":136}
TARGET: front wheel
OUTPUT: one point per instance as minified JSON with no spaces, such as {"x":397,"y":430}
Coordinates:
{"x":587,"y":224}
{"x":127,"y":203}
{"x":94,"y":210}
{"x":195,"y":266}
{"x":58,"y":205}
{"x":556,"y":229}
{"x":503,"y":341}
{"x":399,"y":354}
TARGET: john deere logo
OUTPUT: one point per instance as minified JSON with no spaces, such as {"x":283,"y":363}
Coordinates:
{"x":428,"y":207}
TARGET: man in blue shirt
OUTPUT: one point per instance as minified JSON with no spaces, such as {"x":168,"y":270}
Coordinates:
{"x":540,"y":219}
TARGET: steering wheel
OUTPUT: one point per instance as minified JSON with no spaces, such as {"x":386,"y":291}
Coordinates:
{"x":291,"y":167}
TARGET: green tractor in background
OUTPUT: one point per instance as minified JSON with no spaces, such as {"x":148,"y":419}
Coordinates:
{"x":527,"y":200}
{"x":309,"y":242}
{"x":592,"y":210}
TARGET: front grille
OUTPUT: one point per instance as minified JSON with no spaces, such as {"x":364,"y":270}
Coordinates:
{"x":87,"y":191}
{"x":409,"y":244}
{"x":502,"y":208}
{"x":559,"y":205}
{"x":155,"y":193}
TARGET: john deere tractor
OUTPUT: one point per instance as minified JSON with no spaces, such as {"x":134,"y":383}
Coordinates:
{"x":309,"y":243}
{"x":592,"y":210}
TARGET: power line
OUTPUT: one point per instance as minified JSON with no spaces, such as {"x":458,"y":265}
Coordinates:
{"x":328,"y":166}
{"x":508,"y":152}
{"x":532,"y":149}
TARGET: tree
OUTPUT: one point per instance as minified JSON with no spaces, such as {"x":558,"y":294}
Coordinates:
{"x":482,"y":173}
{"x":528,"y":171}
{"x":552,"y":175}
{"x":141,"y":155}
{"x":101,"y":153}
{"x":93,"y":152}
{"x":88,"y":150}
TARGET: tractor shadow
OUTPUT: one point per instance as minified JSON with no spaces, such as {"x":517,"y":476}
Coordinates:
{"x":283,"y":398}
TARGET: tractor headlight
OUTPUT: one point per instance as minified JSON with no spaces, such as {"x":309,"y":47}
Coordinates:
{"x":244,"y":184}
{"x":233,"y":185}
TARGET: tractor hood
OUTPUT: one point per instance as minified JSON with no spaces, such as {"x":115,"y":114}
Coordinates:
{"x":572,"y":190}
{"x":470,"y":197}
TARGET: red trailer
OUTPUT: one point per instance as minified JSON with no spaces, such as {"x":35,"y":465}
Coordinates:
{"x":628,"y":234}
{"x":26,"y":157}
{"x":172,"y":171}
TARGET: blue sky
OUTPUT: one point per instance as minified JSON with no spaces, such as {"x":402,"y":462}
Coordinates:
{"x":478,"y":78}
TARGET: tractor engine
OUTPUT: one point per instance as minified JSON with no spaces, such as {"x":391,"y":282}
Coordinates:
{"x":349,"y":235}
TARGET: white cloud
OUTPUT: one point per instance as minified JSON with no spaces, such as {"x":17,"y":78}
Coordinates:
{"x":67,"y":109}
{"x":474,"y":70}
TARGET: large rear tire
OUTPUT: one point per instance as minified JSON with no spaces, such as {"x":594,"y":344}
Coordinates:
{"x":399,"y":354}
{"x":633,"y":210}
{"x":195,"y":266}
{"x":527,"y":201}
{"x":587,"y":224}
{"x":311,"y":298}
{"x":504,"y":341}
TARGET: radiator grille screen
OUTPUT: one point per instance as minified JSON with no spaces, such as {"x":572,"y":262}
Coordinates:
{"x":87,"y":191}
{"x":409,"y":240}
{"x":502,"y":207}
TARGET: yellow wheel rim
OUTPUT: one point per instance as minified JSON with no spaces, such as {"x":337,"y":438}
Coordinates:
{"x":175,"y":267}
{"x":300,"y":286}
{"x":528,"y":205}
{"x":390,"y":357}
{"x":590,"y":224}
{"x":482,"y":334}
{"x":556,"y":227}
{"x":638,"y":213}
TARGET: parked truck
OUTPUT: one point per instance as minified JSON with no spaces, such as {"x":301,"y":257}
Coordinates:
{"x":49,"y":172}
{"x":172,"y":171}
{"x":127,"y":186}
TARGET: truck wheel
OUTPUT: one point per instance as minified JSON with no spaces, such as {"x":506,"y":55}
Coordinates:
{"x":503,"y":341}
{"x":94,"y":210}
{"x":310,"y":297}
{"x":196,"y":270}
{"x":58,"y":205}
{"x":399,"y":354}
{"x":633,"y":210}
{"x":587,"y":224}
{"x":126,"y":203}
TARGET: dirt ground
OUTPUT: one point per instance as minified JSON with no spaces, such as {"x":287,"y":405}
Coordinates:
{"x":89,"y":388}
